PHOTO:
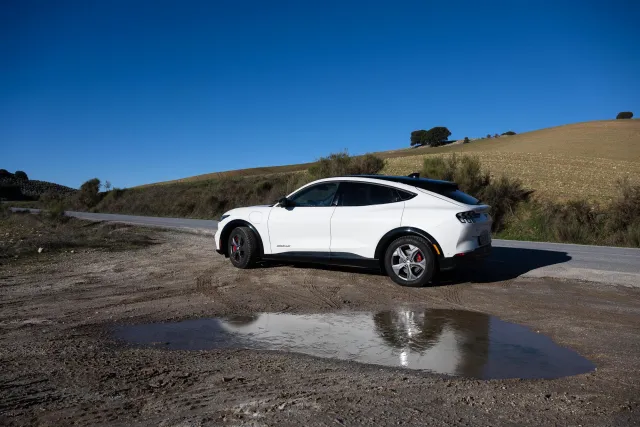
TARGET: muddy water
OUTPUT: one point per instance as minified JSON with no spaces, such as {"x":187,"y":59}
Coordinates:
{"x":452,"y":342}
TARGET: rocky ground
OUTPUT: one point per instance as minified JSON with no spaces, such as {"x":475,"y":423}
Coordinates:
{"x":61,"y":365}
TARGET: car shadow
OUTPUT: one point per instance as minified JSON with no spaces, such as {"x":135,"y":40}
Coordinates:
{"x":501,"y":265}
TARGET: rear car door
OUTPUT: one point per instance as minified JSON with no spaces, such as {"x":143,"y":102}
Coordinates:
{"x":305,"y":227}
{"x":364,"y":214}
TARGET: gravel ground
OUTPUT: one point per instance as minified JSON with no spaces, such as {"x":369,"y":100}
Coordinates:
{"x":61,"y":366}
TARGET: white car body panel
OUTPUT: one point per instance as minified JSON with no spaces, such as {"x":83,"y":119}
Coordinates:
{"x":301,"y":229}
{"x":358,"y":229}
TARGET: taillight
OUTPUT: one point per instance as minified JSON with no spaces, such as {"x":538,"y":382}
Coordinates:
{"x":468,"y":217}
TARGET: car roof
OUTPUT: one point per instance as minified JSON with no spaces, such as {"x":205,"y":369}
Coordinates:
{"x":423,"y":183}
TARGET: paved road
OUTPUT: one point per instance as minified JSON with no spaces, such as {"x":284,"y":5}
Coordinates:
{"x":602,"y":264}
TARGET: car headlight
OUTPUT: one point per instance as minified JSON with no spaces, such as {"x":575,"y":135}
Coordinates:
{"x":222,"y":218}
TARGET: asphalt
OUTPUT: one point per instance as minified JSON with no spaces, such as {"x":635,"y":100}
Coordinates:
{"x":602,"y":264}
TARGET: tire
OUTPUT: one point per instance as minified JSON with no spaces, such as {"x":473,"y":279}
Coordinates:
{"x":242,"y":247}
{"x":419,"y":269}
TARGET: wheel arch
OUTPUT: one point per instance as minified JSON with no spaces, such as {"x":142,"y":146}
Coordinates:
{"x":406,"y":231}
{"x":226,"y":231}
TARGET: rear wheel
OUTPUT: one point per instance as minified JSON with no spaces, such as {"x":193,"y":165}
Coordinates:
{"x":409,"y":261}
{"x":242,"y":247}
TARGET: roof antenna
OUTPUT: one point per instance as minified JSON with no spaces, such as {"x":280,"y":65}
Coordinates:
{"x":414,"y":175}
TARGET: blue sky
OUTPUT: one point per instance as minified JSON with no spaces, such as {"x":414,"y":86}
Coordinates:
{"x":137,"y":91}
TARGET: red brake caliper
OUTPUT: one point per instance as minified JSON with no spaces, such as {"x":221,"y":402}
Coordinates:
{"x":418,"y":257}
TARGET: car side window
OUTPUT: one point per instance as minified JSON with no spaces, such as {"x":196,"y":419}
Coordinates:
{"x":364,"y":194}
{"x":316,"y":195}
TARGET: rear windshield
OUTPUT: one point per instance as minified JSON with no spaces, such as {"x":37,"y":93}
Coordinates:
{"x":458,"y":196}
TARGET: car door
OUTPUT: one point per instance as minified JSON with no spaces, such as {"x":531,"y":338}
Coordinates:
{"x":304,"y":228}
{"x":364,"y":214}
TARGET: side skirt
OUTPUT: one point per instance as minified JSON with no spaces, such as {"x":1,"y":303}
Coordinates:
{"x":325,"y":258}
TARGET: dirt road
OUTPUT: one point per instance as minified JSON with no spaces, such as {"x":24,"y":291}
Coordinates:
{"x":61,"y":365}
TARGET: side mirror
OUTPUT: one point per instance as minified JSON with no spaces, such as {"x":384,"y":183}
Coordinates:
{"x":285,"y":203}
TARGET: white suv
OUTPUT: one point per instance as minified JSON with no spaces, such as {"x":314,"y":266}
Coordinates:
{"x":409,"y":227}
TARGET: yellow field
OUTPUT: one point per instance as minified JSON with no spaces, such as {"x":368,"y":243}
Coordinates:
{"x":576,"y":160}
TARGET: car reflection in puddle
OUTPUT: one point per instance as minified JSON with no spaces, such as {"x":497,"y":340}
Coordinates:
{"x":452,"y":342}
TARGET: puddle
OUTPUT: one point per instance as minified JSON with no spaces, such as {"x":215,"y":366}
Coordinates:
{"x":453,"y":342}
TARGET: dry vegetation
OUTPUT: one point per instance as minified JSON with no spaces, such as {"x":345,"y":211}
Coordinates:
{"x":23,"y":234}
{"x":553,"y":177}
{"x":582,"y":160}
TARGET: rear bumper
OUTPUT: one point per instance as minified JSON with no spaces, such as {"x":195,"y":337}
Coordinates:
{"x":458,"y":260}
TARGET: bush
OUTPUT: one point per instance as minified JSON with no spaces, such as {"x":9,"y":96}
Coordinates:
{"x":54,"y":205}
{"x":488,"y":136}
{"x":21,"y":176}
{"x":5,"y":173}
{"x":503,"y":195}
{"x":89,"y":194}
{"x":624,"y":115}
{"x":623,"y":220}
{"x":578,"y":221}
{"x":509,"y":132}
{"x":466,"y":140}
{"x":339,"y":164}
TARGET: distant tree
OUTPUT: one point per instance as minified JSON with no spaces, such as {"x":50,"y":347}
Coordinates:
{"x":418,"y":137}
{"x":4,"y":173}
{"x":624,"y":115}
{"x":433,"y":137}
{"x":107,"y":186}
{"x":466,"y":140}
{"x":89,"y":196}
{"x":488,"y":135}
{"x":20,"y":175}
{"x":496,"y":136}
{"x":509,"y":132}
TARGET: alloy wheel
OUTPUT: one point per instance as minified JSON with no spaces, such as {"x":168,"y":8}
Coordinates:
{"x":408,"y":262}
{"x":237,"y":248}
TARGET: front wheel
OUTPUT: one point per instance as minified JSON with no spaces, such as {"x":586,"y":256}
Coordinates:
{"x":409,"y":261}
{"x":242,"y":247}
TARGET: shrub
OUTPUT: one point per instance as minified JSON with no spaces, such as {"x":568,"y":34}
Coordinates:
{"x":488,"y":136}
{"x":509,"y":132}
{"x":624,"y":115}
{"x":54,"y":205}
{"x":338,"y":164}
{"x":89,"y":194}
{"x":366,"y":165}
{"x":466,"y":140}
{"x":20,"y":175}
{"x":496,"y":136}
{"x":623,"y":219}
{"x":5,"y":173}
{"x":503,"y":195}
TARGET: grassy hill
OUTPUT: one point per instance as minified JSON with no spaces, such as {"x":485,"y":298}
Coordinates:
{"x":580,"y":160}
{"x":14,"y":189}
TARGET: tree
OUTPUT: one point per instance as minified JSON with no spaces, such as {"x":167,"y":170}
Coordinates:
{"x":488,"y":135}
{"x":89,"y":196}
{"x":21,"y":176}
{"x":624,"y":115}
{"x":496,"y":136}
{"x":107,"y":186}
{"x":418,"y":138}
{"x":509,"y":132}
{"x":433,"y":137}
{"x":4,"y":173}
{"x":466,"y":140}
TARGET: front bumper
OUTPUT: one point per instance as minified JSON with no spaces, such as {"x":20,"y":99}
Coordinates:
{"x":447,"y":264}
{"x":216,"y":239}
